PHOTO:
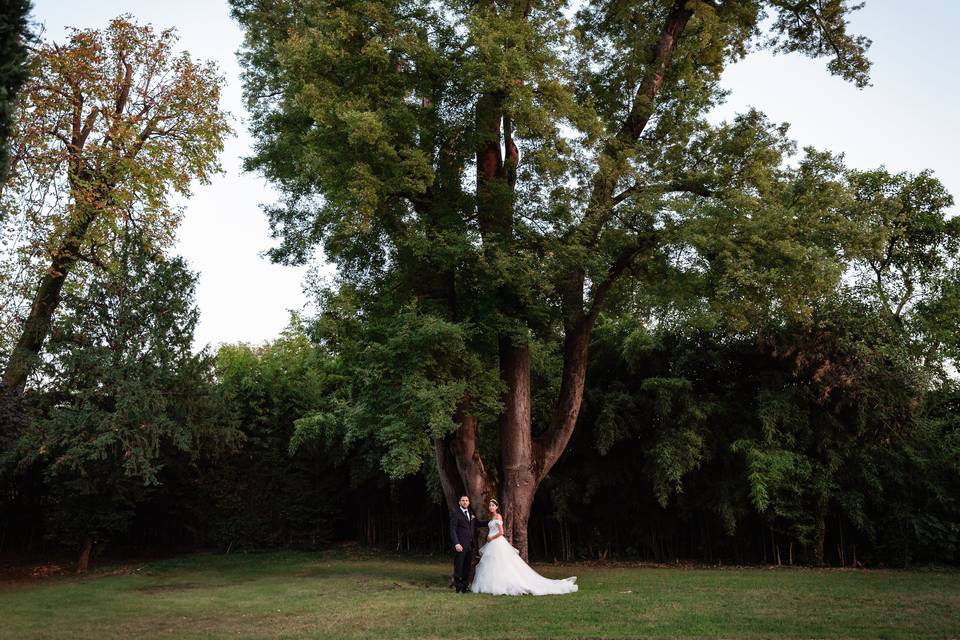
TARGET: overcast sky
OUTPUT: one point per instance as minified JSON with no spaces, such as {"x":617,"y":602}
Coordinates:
{"x":906,"y":121}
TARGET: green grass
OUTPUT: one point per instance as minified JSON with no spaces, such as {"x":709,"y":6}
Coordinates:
{"x":333,"y":595}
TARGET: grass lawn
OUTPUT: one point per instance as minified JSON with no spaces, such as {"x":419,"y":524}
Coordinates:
{"x":336,"y":595}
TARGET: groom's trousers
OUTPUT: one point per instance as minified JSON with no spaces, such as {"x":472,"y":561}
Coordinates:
{"x":461,"y":568}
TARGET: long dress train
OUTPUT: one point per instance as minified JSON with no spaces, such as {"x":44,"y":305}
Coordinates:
{"x":501,"y":571}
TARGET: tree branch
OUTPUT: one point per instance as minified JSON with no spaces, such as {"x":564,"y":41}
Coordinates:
{"x":677,"y":186}
{"x":622,"y":263}
{"x":644,"y":101}
{"x":613,"y":157}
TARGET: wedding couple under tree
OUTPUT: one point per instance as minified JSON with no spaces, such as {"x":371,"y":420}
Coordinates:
{"x":491,"y":177}
{"x":500,"y":571}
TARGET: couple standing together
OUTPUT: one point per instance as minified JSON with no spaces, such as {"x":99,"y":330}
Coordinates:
{"x":501,"y":570}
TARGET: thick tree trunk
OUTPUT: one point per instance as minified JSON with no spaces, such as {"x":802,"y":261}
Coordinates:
{"x":519,"y":462}
{"x":460,"y":465}
{"x":567,"y":409}
{"x":524,"y":462}
{"x":35,"y":329}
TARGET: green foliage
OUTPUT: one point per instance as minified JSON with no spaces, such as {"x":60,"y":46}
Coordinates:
{"x":124,"y":396}
{"x":14,"y":36}
{"x":677,"y":416}
{"x":819,"y":29}
{"x":298,"y":478}
{"x":401,"y":379}
{"x":906,"y":260}
{"x":773,"y":329}
{"x":373,"y":117}
{"x":822,"y":428}
{"x":112,"y":126}
{"x":259,"y":496}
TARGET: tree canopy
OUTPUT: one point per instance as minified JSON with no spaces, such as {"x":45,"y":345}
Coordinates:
{"x":111,"y":125}
{"x":498,"y":174}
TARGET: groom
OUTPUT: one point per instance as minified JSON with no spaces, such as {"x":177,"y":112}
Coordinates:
{"x":462,"y":524}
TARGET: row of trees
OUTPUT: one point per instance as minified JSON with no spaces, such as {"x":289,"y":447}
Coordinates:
{"x":808,"y":446}
{"x":556,"y":279}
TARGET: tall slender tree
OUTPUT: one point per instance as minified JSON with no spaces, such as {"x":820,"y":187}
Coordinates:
{"x":491,"y":176}
{"x":111,"y":124}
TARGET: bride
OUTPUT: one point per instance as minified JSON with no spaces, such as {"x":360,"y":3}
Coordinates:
{"x":501,"y":570}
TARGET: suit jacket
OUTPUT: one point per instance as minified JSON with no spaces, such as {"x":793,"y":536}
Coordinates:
{"x":461,"y":529}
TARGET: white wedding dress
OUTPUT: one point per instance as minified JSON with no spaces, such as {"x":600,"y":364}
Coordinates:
{"x":501,"y":571}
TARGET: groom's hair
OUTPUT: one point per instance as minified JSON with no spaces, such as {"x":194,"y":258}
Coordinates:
{"x":462,"y":497}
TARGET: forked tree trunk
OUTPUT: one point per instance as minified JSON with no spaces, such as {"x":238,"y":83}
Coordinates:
{"x":450,"y":480}
{"x":460,"y":465}
{"x":477,"y":483}
{"x":525,"y":461}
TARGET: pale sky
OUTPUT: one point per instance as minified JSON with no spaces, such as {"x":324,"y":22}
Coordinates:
{"x":906,"y":121}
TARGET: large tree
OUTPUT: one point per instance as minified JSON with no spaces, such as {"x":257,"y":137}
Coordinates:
{"x":111,"y":125}
{"x":491,"y":176}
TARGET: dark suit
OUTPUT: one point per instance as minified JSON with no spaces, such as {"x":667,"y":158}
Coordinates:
{"x":461,"y":532}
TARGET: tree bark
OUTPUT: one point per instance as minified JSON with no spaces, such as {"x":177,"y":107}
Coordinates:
{"x":613,"y":161}
{"x":575,"y":351}
{"x":519,"y":461}
{"x":476,"y":482}
{"x":524,"y":461}
{"x":24,"y":355}
{"x":83,"y":563}
{"x":450,"y":480}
